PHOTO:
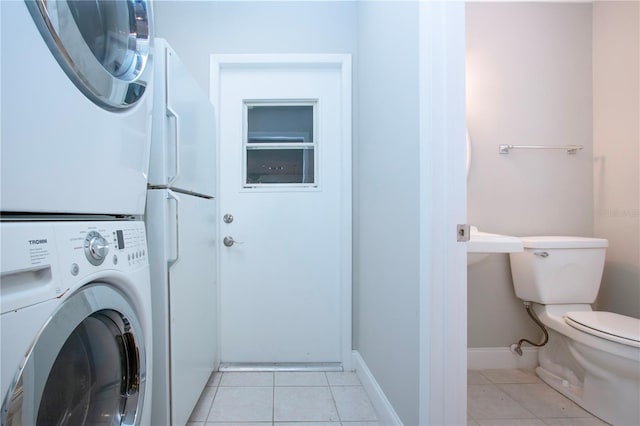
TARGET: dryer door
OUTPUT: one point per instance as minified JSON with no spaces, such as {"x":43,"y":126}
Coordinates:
{"x":86,"y":367}
{"x":103,"y":46}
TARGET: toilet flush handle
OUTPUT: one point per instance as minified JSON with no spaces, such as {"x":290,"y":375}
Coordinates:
{"x":541,"y":253}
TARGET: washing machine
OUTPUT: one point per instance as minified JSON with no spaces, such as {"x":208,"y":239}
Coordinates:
{"x":75,"y":328}
{"x":76,"y":106}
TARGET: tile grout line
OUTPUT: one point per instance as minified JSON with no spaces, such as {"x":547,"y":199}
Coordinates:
{"x":215,"y":393}
{"x":518,"y":402}
{"x":497,"y":385}
{"x":333,"y":398}
{"x":273,"y":401}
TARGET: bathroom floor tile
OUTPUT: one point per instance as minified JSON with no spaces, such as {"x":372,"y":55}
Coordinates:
{"x":510,"y":422}
{"x":566,"y":421}
{"x":353,"y":404}
{"x":511,"y":376}
{"x":584,"y":421}
{"x":304,"y":404}
{"x":489,"y":402}
{"x":301,"y":379}
{"x":242,"y":404}
{"x":475,"y":377}
{"x":543,"y":401}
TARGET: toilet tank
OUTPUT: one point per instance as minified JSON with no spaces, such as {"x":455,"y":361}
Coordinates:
{"x":558,"y":270}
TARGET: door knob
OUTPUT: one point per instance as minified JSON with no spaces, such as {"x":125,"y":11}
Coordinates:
{"x":229,"y":241}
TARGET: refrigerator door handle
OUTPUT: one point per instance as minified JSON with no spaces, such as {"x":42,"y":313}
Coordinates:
{"x":174,"y":234}
{"x":174,"y":144}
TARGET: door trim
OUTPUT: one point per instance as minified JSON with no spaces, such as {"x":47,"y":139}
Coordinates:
{"x":218,"y":63}
{"x":443,"y":268}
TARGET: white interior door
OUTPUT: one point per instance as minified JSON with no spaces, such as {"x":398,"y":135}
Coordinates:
{"x":285,"y":180}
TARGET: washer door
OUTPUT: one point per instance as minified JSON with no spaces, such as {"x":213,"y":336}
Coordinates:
{"x":86,"y":367}
{"x":103,"y":46}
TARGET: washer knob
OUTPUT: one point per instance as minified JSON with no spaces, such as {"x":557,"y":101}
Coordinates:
{"x":96,"y":248}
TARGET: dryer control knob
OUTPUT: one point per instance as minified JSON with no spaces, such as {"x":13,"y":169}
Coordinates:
{"x":96,"y":248}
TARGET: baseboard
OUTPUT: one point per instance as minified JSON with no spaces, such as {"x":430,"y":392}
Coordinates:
{"x":497,"y":358}
{"x":279,"y":366}
{"x":386,"y":414}
{"x":477,"y":359}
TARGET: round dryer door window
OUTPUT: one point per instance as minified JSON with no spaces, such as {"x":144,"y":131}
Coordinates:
{"x":86,"y":367}
{"x":102,"y":45}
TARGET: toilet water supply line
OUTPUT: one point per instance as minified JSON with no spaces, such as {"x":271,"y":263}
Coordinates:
{"x":516,"y":347}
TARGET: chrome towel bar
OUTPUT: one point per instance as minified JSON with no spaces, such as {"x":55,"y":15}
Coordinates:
{"x":571,"y":149}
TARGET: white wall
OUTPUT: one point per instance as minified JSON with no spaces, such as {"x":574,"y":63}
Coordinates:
{"x":616,"y":132}
{"x":387,"y":216}
{"x":528,"y":83}
{"x":196,"y":29}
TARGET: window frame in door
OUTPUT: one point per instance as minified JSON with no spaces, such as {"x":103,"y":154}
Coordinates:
{"x":312,"y":145}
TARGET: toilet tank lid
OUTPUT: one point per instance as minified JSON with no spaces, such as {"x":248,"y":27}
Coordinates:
{"x":550,"y":242}
{"x":609,"y":325}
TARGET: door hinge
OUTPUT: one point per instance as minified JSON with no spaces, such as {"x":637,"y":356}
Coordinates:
{"x":463,"y":232}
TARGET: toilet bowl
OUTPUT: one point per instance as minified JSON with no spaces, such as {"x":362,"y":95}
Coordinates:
{"x":592,"y":357}
{"x":598,"y":373}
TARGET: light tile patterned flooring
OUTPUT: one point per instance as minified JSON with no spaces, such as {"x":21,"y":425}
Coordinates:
{"x":494,"y":397}
{"x":284,"y":399}
{"x":519,"y":398}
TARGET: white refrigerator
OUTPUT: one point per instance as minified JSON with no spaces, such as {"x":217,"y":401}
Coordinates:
{"x":181,"y":232}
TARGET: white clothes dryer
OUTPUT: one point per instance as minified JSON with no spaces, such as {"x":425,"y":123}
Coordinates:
{"x":75,"y":323}
{"x":76,"y":106}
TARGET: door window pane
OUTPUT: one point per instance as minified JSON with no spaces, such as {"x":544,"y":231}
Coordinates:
{"x":280,"y":124}
{"x":280,"y":166}
{"x":280,"y":145}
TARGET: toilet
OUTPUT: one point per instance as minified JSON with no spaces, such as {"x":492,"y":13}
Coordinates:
{"x":592,"y":357}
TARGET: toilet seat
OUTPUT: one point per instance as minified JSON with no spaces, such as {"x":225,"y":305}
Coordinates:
{"x":608,"y":325}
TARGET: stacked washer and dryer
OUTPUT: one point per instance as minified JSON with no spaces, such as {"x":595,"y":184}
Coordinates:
{"x":75,"y":296}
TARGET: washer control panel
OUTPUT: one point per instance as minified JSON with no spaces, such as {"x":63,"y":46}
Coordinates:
{"x":92,"y":246}
{"x":132,"y":242}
